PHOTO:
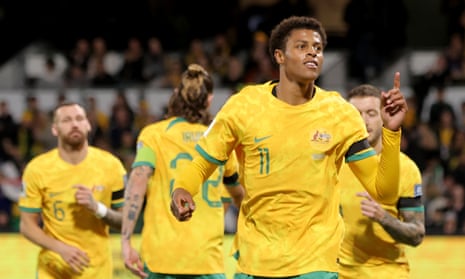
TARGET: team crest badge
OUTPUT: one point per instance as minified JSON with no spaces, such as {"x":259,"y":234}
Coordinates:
{"x":320,"y":137}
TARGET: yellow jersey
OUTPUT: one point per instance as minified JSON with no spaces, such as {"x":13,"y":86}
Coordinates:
{"x":48,"y":189}
{"x":164,"y":246}
{"x":289,"y":158}
{"x":365,"y":241}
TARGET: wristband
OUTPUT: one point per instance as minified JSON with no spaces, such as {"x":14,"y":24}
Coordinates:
{"x":102,"y":210}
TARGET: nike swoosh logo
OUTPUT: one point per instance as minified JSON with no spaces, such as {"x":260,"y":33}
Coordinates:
{"x":257,"y":140}
{"x":54,"y":194}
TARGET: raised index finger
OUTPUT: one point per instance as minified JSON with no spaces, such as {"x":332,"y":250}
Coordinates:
{"x":397,"y":80}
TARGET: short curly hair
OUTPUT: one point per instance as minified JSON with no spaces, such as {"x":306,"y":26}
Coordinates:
{"x":281,"y":32}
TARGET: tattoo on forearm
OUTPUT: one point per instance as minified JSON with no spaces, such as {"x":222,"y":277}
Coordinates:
{"x":143,"y":170}
{"x":410,"y":231}
{"x":135,"y":192}
{"x":132,"y":215}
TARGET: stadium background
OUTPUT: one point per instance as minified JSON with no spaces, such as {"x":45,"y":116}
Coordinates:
{"x":23,"y":22}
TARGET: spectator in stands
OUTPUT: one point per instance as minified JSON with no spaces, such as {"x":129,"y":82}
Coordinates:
{"x":43,"y":139}
{"x":410,"y":120}
{"x":172,"y":77}
{"x":98,"y":120}
{"x":121,"y":120}
{"x":456,"y":163}
{"x":434,"y":76}
{"x":262,"y":71}
{"x":438,"y":106}
{"x":143,"y":116}
{"x":154,"y":60}
{"x":220,"y":55}
{"x":198,"y":54}
{"x":9,"y":140}
{"x":257,"y":53}
{"x":101,"y":78}
{"x":445,"y":132}
{"x":10,"y":190}
{"x":454,"y":54}
{"x":126,"y":151}
{"x":25,"y":133}
{"x":131,"y":72}
{"x":447,"y":69}
{"x":76,"y":77}
{"x":422,"y":145}
{"x":454,"y":222}
{"x":101,"y":55}
{"x":234,"y":77}
{"x":462,"y":115}
{"x":52,"y":76}
{"x":78,"y":59}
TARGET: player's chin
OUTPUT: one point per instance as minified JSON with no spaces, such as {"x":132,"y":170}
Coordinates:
{"x":313,"y":73}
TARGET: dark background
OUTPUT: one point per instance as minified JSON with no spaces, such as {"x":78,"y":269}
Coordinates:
{"x":175,"y":22}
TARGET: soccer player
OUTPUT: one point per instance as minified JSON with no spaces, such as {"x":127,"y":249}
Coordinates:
{"x":376,"y":234}
{"x":169,"y":248}
{"x":71,"y":195}
{"x":291,"y":137}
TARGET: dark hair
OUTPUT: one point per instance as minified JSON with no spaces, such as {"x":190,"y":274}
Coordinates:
{"x":66,"y":104}
{"x":281,"y":32}
{"x":364,"y":90}
{"x":190,"y":99}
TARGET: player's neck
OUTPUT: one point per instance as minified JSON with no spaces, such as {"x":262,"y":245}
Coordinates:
{"x":293,"y":93}
{"x":71,"y":155}
{"x":378,"y":147}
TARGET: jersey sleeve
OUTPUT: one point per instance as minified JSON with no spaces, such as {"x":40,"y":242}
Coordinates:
{"x":222,"y":135}
{"x":355,"y":145}
{"x":231,"y":176}
{"x":381,"y":178}
{"x":117,"y":195}
{"x":30,"y":199}
{"x":145,"y":156}
{"x":410,"y":186}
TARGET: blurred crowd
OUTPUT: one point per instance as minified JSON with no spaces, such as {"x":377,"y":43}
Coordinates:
{"x":91,"y":63}
{"x":436,"y":143}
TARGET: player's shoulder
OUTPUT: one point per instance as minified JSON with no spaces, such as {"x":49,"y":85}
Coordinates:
{"x":254,"y":90}
{"x":407,"y":163}
{"x":102,"y":154}
{"x":330,"y":96}
{"x":153,"y":127}
{"x":43,"y":158}
{"x":334,"y":101}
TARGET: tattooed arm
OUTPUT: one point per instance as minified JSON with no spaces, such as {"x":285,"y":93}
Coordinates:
{"x":134,"y":196}
{"x":409,"y":230}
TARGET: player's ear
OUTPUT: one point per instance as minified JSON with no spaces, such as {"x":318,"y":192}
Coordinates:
{"x":89,"y":126}
{"x":54,"y":130}
{"x":279,"y":56}
{"x":209,"y":99}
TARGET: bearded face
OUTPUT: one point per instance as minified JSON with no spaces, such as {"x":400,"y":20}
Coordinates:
{"x":74,"y":139}
{"x":71,"y":126}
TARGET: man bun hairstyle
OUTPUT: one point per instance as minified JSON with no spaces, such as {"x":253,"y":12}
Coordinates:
{"x":190,"y":99}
